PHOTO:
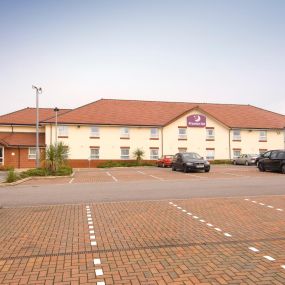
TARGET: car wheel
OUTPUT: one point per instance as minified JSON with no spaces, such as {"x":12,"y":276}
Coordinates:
{"x":207,"y":169}
{"x":261,"y":167}
{"x":246,"y":163}
{"x":185,"y":169}
{"x":283,"y":169}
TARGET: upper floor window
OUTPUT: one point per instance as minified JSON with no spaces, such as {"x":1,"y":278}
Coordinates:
{"x":125,"y":132}
{"x":236,"y":135}
{"x":210,"y":134}
{"x":32,"y":153}
{"x":94,"y":131}
{"x":154,"y":133}
{"x":236,"y":153}
{"x":94,"y":153}
{"x":263,"y":135}
{"x":210,"y":154}
{"x":154,"y":153}
{"x":125,"y":153}
{"x":62,"y":131}
{"x":182,"y":133}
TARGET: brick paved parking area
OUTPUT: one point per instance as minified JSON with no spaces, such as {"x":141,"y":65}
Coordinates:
{"x":142,"y":174}
{"x":196,"y":241}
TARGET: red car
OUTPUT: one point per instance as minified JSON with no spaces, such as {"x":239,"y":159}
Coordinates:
{"x":165,"y":161}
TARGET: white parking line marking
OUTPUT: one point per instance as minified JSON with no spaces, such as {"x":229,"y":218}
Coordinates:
{"x":227,"y":235}
{"x":269,"y":258}
{"x":218,"y":229}
{"x":114,"y":178}
{"x":179,"y":208}
{"x":92,"y":237}
{"x":195,"y":217}
{"x":87,"y":207}
{"x":184,"y":211}
{"x":89,"y":215}
{"x":90,"y":223}
{"x":279,"y":210}
{"x":261,"y":204}
{"x":235,"y":174}
{"x":254,"y":202}
{"x":91,"y":227}
{"x":108,"y":173}
{"x":161,"y":179}
{"x":141,"y":172}
{"x":190,"y":214}
{"x":93,"y":243}
{"x":202,"y":221}
{"x":71,"y":180}
{"x":89,"y":219}
{"x":269,"y":206}
{"x":170,"y":203}
{"x":97,"y":261}
{"x":283,"y":266}
{"x":246,"y":199}
{"x":253,"y":249}
{"x":210,"y":225}
{"x":174,"y":205}
{"x":101,"y":283}
{"x":91,"y":232}
{"x":98,"y":272}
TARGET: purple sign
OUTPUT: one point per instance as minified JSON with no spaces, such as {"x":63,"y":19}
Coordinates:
{"x":196,"y":121}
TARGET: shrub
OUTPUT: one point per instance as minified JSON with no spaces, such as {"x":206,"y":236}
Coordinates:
{"x":110,"y":163}
{"x":12,"y":176}
{"x":63,"y":171}
{"x":34,"y":172}
{"x":221,"y":161}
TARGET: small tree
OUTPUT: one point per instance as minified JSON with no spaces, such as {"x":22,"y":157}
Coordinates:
{"x":55,"y":156}
{"x":138,"y":154}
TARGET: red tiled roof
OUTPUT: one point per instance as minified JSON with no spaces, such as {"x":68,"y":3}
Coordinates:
{"x":21,"y":139}
{"x":27,"y":116}
{"x":155,"y":113}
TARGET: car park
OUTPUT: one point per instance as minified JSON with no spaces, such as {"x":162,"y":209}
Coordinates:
{"x":165,"y":161}
{"x":190,"y":161}
{"x":273,"y":160}
{"x":245,"y":159}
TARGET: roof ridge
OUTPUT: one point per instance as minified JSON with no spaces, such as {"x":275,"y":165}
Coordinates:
{"x":268,"y":111}
{"x":14,"y":112}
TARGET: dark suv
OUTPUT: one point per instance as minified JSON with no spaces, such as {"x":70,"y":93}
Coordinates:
{"x":188,"y":161}
{"x":273,"y":160}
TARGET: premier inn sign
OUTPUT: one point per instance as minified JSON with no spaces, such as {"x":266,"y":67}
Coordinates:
{"x":196,"y":121}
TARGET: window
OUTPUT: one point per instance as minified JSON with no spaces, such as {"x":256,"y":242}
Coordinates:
{"x":237,"y":152}
{"x":125,"y":133}
{"x":236,"y":135}
{"x":154,"y":153}
{"x":125,"y":153}
{"x":94,"y":153}
{"x":210,"y":134}
{"x":62,"y":131}
{"x":263,"y":136}
{"x":32,"y":153}
{"x":154,"y":133}
{"x":182,"y":133}
{"x":95,"y":131}
{"x":182,"y":149}
{"x":210,"y":154}
{"x":262,"y":150}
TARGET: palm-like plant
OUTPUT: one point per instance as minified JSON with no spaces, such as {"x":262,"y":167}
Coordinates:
{"x":138,"y":154}
{"x":55,"y":156}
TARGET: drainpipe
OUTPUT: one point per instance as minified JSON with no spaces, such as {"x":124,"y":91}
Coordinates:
{"x":162,"y":141}
{"x":230,"y":151}
{"x":19,"y":156}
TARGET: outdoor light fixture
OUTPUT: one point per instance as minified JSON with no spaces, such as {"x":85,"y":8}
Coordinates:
{"x":38,"y":91}
{"x":56,"y":110}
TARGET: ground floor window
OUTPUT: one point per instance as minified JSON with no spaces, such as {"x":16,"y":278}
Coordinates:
{"x":125,"y":153}
{"x":1,"y":155}
{"x":94,"y":153}
{"x":262,"y":150}
{"x":32,"y":154}
{"x":236,"y":153}
{"x":154,"y":153}
{"x":182,"y":149}
{"x":210,"y":154}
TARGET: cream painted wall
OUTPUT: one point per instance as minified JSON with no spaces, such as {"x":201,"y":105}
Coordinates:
{"x":21,"y":129}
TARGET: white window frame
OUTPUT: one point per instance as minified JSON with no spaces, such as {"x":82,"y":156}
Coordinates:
{"x":126,"y":155}
{"x":236,"y":136}
{"x":235,"y":155}
{"x":154,"y":133}
{"x":210,"y":134}
{"x":154,"y":153}
{"x":263,"y":135}
{"x":182,"y":133}
{"x":62,"y":131}
{"x":32,"y":155}
{"x":94,"y":131}
{"x":210,"y":154}
{"x":94,"y":153}
{"x":125,"y":132}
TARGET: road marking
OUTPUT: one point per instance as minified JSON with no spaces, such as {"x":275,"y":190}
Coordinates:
{"x":98,"y":272}
{"x":170,"y":203}
{"x":269,"y":206}
{"x":227,"y":235}
{"x":100,"y":283}
{"x":89,"y":215}
{"x":262,"y":204}
{"x":279,"y":210}
{"x":238,"y":175}
{"x":114,"y":178}
{"x":202,"y":221}
{"x":254,"y":202}
{"x":190,"y":214}
{"x":90,"y":223}
{"x":92,"y":237}
{"x":161,"y":179}
{"x":91,"y":227}
{"x":108,"y":173}
{"x":209,"y":225}
{"x":97,"y":261}
{"x":91,"y":232}
{"x":253,"y":249}
{"x":195,"y":217}
{"x":283,"y":266}
{"x":89,"y":219}
{"x":184,"y":211}
{"x":179,"y":208}
{"x":197,"y":176}
{"x":218,"y":229}
{"x":71,"y":180}
{"x":141,"y":172}
{"x":269,"y":258}
{"x":93,"y":243}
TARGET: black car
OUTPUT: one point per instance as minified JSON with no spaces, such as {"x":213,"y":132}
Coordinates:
{"x":189,"y":161}
{"x":273,"y":160}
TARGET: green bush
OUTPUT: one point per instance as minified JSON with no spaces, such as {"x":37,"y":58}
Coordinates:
{"x":63,"y":171}
{"x":221,"y":161}
{"x":110,"y":163}
{"x":34,"y":172}
{"x":12,"y":176}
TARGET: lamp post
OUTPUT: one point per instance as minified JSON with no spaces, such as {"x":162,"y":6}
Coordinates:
{"x":38,"y":91}
{"x":56,"y":110}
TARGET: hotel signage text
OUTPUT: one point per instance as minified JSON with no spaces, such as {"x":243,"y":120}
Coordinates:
{"x":196,"y":121}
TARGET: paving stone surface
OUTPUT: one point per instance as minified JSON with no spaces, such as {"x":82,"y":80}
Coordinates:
{"x":197,"y":241}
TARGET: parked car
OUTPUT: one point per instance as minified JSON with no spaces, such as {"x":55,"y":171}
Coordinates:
{"x":273,"y":160}
{"x":165,"y":161}
{"x":245,"y":159}
{"x":189,"y":161}
{"x":261,"y":156}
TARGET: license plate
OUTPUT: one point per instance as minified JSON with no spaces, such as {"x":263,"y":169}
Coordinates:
{"x":200,"y":166}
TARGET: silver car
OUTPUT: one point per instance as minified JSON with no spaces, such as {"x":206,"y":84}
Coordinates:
{"x":245,"y":159}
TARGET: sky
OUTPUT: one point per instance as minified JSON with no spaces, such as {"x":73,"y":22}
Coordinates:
{"x":216,"y":51}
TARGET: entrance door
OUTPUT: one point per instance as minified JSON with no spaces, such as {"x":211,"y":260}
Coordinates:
{"x":1,"y":155}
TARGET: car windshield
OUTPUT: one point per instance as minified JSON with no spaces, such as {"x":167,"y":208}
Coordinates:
{"x":191,"y":155}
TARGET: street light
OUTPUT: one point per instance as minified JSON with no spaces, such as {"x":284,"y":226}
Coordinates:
{"x":56,"y":110}
{"x":38,"y":91}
